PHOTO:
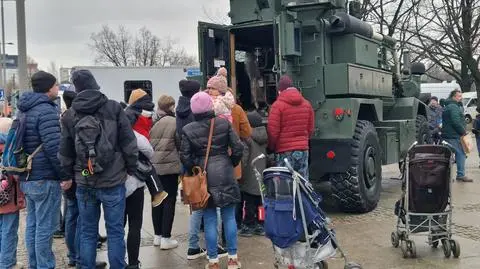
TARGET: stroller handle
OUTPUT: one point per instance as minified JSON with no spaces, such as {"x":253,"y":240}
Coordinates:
{"x":288,"y":165}
{"x":258,"y":158}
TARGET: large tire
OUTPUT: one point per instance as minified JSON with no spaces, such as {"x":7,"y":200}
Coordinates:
{"x":358,"y":190}
{"x":422,"y":130}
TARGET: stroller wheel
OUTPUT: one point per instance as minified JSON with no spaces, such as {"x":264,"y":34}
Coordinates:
{"x":447,"y":249}
{"x":455,"y":246}
{"x":352,"y":265}
{"x":321,"y":265}
{"x":403,"y":247}
{"x":434,"y":244}
{"x":412,"y":249}
{"x":395,"y":240}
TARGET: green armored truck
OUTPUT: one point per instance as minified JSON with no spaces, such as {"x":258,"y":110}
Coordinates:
{"x":367,"y":111}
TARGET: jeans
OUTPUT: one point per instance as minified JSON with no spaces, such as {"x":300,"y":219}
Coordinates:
{"x":460,"y":156}
{"x":72,"y":231}
{"x":43,"y":201}
{"x":113,"y":202}
{"x":8,"y":239}
{"x":297,"y":159}
{"x":194,"y":229}
{"x":211,"y":230}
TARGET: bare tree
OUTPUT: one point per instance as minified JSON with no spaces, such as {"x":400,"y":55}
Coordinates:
{"x":53,"y":69}
{"x":146,"y":49}
{"x":448,"y":32}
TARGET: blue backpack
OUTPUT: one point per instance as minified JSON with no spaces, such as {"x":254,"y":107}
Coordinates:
{"x":15,"y":160}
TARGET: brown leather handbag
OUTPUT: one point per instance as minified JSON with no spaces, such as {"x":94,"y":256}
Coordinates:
{"x":195,"y":191}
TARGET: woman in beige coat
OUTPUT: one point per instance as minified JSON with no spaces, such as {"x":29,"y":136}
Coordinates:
{"x":166,"y":161}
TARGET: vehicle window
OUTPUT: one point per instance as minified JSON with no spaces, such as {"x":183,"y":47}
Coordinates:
{"x":465,"y":101}
{"x":131,"y":85}
{"x":473,"y":102}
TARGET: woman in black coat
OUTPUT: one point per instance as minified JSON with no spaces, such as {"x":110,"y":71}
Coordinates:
{"x":224,"y":190}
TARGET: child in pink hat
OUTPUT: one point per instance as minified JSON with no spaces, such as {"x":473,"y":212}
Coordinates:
{"x":223,"y":100}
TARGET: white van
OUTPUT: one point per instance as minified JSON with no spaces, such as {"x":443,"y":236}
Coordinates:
{"x":440,"y":90}
{"x":469,"y":106}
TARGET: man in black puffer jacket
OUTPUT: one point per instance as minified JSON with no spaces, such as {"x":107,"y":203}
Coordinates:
{"x":42,"y":187}
{"x":183,"y":112}
{"x":108,"y":186}
{"x":223,"y":188}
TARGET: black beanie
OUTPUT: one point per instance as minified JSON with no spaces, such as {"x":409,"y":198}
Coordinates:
{"x":188,"y":87}
{"x":255,"y":119}
{"x":42,"y":81}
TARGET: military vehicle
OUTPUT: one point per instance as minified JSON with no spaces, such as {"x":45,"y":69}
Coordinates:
{"x":367,"y":111}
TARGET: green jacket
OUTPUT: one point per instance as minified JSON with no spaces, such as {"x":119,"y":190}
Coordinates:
{"x":453,"y":120}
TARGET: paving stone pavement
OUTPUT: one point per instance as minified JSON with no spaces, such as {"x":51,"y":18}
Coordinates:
{"x":364,"y":237}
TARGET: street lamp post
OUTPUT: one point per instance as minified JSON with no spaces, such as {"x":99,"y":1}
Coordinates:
{"x":22,"y":47}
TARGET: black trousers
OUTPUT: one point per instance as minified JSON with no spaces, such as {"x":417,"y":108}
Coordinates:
{"x":134,"y":215}
{"x":252,"y":202}
{"x":163,"y":215}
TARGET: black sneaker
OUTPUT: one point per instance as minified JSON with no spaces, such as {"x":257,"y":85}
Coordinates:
{"x":246,"y":231}
{"x":221,"y":252}
{"x":258,"y":230}
{"x":100,"y":265}
{"x":195,"y":253}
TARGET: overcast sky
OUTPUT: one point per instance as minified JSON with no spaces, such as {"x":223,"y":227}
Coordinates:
{"x":59,"y":30}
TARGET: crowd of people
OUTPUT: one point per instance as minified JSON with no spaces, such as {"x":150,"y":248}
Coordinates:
{"x":103,"y":156}
{"x":447,"y":123}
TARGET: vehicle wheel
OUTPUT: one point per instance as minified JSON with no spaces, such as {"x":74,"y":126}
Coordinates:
{"x":403,"y":247}
{"x":412,"y":249}
{"x":321,"y":265}
{"x":352,"y":265}
{"x":358,"y":190}
{"x":455,"y":246}
{"x":447,"y":250}
{"x":422,"y":130}
{"x":395,"y":240}
{"x":468,"y":119}
{"x":435,"y":244}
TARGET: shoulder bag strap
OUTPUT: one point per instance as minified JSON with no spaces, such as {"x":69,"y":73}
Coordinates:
{"x":210,"y":135}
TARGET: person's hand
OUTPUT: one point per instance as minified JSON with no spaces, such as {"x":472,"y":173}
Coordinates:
{"x":66,"y":185}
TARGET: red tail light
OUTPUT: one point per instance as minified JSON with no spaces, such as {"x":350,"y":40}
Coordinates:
{"x":331,"y":155}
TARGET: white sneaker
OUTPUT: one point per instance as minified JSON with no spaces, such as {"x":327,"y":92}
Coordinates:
{"x":168,"y":243}
{"x":157,"y":240}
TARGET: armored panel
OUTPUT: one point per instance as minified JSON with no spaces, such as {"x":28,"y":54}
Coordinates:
{"x":242,"y":11}
{"x":349,"y":79}
{"x":395,"y":138}
{"x":355,"y":49}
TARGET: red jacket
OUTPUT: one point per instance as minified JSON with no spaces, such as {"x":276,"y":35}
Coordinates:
{"x":290,"y":122}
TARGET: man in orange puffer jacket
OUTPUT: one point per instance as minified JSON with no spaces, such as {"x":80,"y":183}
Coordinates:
{"x":290,"y":126}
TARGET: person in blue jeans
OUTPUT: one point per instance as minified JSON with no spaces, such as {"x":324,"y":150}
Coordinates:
{"x":42,"y":186}
{"x":104,"y":188}
{"x":453,"y":128}
{"x":9,"y":213}
{"x":223,"y":188}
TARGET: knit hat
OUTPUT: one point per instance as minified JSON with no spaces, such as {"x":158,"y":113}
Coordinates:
{"x":188,"y":87}
{"x":255,"y":119}
{"x":219,"y":83}
{"x":165,"y":103}
{"x":84,"y":80}
{"x":201,"y":103}
{"x":284,"y":83}
{"x":42,"y":81}
{"x":222,"y":72}
{"x":135,"y":95}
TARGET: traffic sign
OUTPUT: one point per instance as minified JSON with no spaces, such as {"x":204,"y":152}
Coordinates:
{"x":193,"y":72}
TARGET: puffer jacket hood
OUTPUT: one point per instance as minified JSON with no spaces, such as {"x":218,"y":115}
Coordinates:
{"x":29,"y":100}
{"x":84,"y":80}
{"x":260,"y":136}
{"x":89,"y":101}
{"x":183,"y":109}
{"x":291,"y":96}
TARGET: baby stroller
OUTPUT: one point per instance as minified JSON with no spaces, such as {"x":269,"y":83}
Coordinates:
{"x":425,"y":207}
{"x":294,"y":221}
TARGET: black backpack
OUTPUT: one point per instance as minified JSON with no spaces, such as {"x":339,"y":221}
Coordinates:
{"x":94,"y":150}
